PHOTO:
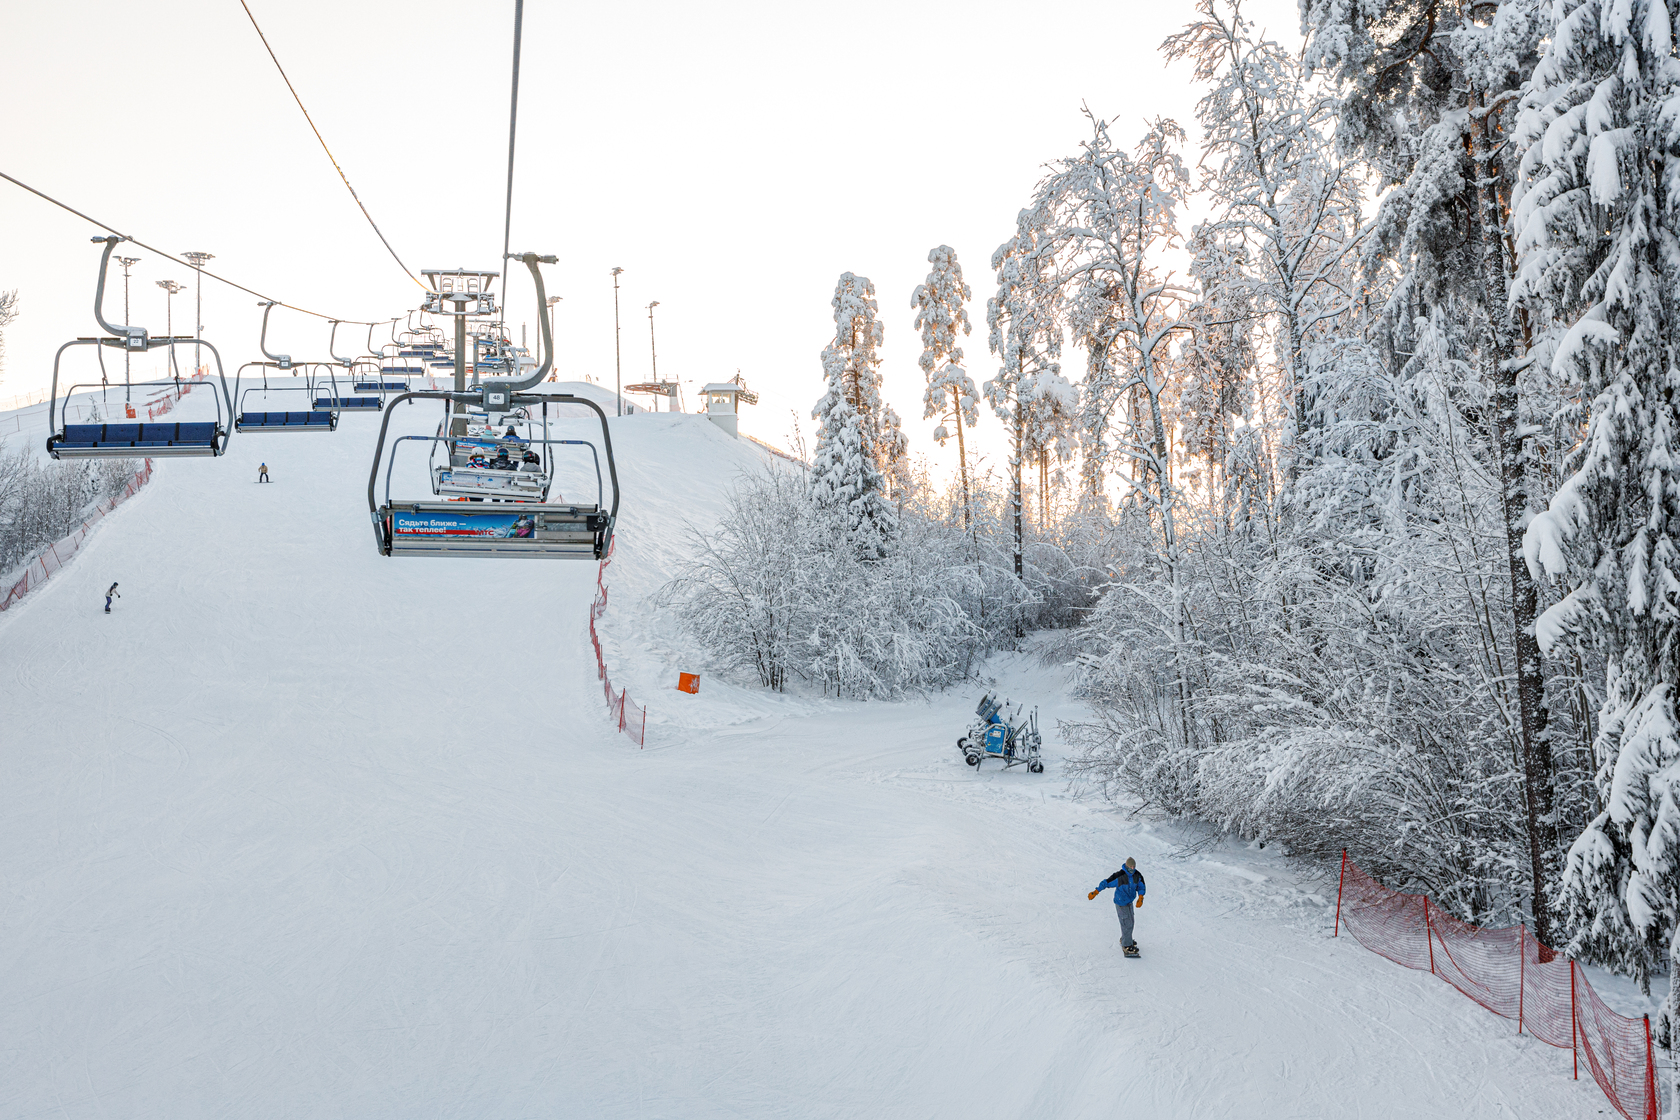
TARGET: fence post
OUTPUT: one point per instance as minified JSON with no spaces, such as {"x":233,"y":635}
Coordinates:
{"x":1429,"y":935}
{"x":1574,"y":1045}
{"x":1340,"y":879}
{"x":643,"y":745}
{"x":1522,"y":969}
{"x":1653,"y":1103}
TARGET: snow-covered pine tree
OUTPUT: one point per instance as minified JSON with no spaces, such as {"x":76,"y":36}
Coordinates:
{"x":941,"y":314}
{"x":848,"y":478}
{"x":1430,"y":96}
{"x":1600,"y":245}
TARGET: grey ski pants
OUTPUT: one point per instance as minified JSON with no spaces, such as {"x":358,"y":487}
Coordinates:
{"x":1125,"y":913}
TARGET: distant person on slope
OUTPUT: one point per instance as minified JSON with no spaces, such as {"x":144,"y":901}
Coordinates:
{"x":262,"y":472}
{"x":109,"y":595}
{"x":1128,"y":890}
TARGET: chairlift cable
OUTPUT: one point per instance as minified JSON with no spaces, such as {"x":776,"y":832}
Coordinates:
{"x":328,"y":150}
{"x":513,"y":128}
{"x":173,"y":258}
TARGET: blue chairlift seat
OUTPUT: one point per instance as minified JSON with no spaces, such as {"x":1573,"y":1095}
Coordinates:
{"x":379,"y":386}
{"x":159,"y":440}
{"x":287,"y":421}
{"x":350,"y":404}
{"x":400,"y":370}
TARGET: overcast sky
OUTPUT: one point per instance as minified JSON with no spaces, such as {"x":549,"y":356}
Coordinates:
{"x":733,"y":159}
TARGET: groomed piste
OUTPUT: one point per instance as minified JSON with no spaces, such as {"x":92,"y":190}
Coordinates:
{"x":300,"y":830}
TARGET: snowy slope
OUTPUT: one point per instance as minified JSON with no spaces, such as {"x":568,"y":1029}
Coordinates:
{"x":302,"y":831}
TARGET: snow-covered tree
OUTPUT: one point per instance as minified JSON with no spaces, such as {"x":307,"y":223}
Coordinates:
{"x":1026,"y":338}
{"x":1108,"y":216}
{"x":941,"y":315}
{"x":1599,"y":239}
{"x":1430,"y":96}
{"x":1270,"y":169}
{"x":8,"y":313}
{"x":848,"y":476}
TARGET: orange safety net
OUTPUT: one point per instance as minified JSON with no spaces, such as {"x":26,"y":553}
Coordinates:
{"x":1511,"y":973}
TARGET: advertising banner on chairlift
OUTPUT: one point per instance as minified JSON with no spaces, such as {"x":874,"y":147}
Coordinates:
{"x":467,"y":523}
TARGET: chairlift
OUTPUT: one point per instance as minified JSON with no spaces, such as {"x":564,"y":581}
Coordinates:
{"x":505,"y":524}
{"x":342,"y":403}
{"x":310,"y":419}
{"x":109,"y":441}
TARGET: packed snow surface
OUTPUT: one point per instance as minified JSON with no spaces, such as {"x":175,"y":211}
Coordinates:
{"x":302,"y":831}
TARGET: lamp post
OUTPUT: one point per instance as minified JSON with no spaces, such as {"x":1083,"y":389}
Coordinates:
{"x":171,"y":287}
{"x":552,"y":300}
{"x":655,"y":348}
{"x":198,"y":260}
{"x":127,"y":263}
{"x":618,"y":353}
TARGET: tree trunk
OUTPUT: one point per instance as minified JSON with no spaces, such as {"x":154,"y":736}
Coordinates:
{"x":962,"y":459}
{"x":1513,"y":492}
{"x":1015,"y":495}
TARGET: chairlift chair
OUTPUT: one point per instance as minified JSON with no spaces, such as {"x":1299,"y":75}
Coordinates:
{"x":174,"y":440}
{"x":496,"y":525}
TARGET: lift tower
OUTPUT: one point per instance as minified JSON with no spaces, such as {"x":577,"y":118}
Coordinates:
{"x":459,"y":292}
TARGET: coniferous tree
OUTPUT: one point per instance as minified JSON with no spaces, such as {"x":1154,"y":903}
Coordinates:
{"x":848,"y":476}
{"x":941,"y":313}
{"x":1600,"y":242}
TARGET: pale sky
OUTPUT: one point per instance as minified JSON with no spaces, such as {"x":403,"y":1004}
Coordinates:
{"x":734,"y":159}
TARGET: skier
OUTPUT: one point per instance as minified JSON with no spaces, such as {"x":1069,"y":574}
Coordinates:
{"x":262,"y":472}
{"x":1128,"y":887}
{"x":108,"y":595}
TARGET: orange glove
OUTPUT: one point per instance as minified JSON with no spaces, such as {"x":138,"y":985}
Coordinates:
{"x":1093,"y":894}
{"x":1139,"y":901}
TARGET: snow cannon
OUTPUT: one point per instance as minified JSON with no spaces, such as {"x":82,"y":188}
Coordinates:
{"x":1004,"y":735}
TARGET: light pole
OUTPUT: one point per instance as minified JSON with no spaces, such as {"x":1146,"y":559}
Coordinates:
{"x":198,"y":260}
{"x":655,"y":348}
{"x":127,"y":263}
{"x":171,"y":287}
{"x":552,"y":300}
{"x":618,"y":354}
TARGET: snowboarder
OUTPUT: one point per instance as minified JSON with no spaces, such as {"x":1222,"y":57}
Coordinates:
{"x":1128,"y":890}
{"x":262,"y":472}
{"x":108,"y":596}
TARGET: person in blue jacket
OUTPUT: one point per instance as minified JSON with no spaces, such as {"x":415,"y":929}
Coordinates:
{"x":1128,"y":892}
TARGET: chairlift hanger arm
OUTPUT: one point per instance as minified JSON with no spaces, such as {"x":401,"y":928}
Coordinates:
{"x":135,"y":337}
{"x":284,"y":361}
{"x":332,"y":347}
{"x":531,"y":260}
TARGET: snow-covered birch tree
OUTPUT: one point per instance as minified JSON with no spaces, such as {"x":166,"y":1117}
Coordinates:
{"x":1270,"y":169}
{"x":941,"y":313}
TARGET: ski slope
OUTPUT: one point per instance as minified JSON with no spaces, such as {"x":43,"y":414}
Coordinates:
{"x":303,"y":831}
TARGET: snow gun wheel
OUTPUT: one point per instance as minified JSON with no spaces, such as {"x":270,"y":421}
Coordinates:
{"x":971,"y":758}
{"x":1035,"y":767}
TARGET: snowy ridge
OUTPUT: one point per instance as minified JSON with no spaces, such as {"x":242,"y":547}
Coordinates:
{"x":305,"y":831}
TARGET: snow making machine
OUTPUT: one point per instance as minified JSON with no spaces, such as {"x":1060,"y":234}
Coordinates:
{"x":1003,"y":735}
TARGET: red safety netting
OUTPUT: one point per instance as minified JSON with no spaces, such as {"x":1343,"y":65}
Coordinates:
{"x":58,"y":554}
{"x":1512,"y":974}
{"x":630,"y":716}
